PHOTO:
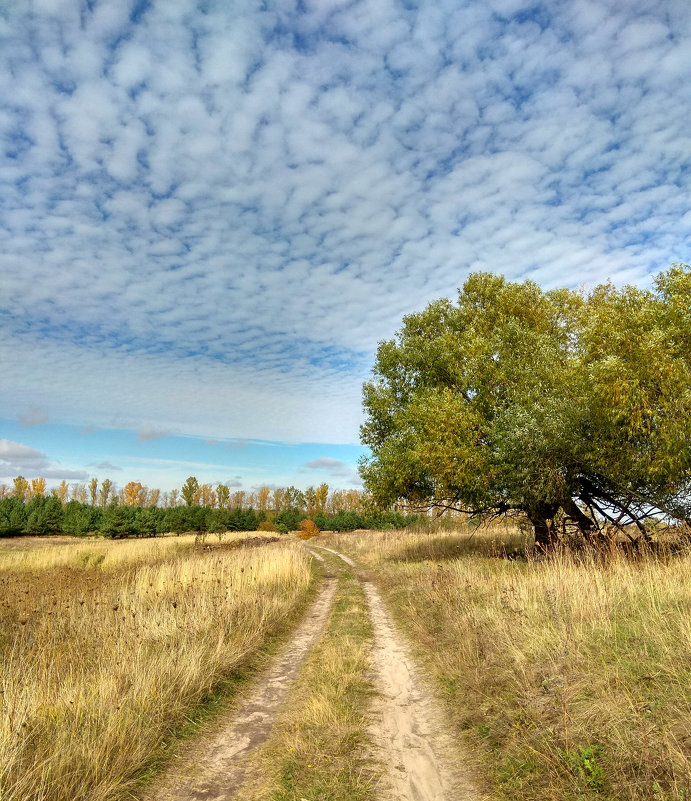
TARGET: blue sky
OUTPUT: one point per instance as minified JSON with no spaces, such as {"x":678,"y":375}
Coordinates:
{"x":211,"y":212}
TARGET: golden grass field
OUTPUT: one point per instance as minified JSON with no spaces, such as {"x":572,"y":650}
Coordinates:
{"x":107,"y":648}
{"x":568,"y":676}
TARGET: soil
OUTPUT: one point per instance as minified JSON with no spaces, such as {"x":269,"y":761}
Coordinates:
{"x":215,"y":766}
{"x":247,"y":542}
{"x":409,"y":726}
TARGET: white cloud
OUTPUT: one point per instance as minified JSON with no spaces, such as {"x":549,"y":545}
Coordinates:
{"x":20,"y":454}
{"x":19,"y":459}
{"x":208,"y":220}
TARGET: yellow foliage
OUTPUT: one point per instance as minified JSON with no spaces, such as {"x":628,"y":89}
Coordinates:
{"x":307,"y":529}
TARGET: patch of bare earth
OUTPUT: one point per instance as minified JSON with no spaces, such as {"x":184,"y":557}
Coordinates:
{"x":409,"y":725}
{"x":218,"y":764}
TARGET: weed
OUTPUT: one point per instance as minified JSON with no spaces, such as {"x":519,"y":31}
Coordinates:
{"x":97,"y":667}
{"x":539,"y":659}
{"x":583,"y":762}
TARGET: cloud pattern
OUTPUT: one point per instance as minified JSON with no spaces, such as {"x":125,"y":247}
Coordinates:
{"x":210,"y":214}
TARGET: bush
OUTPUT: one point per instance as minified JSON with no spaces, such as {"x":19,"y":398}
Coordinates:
{"x":288,"y":520}
{"x":307,"y":529}
{"x":266,"y":525}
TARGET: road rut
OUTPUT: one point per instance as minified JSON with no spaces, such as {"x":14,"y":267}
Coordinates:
{"x":410,"y":731}
{"x":217,"y":767}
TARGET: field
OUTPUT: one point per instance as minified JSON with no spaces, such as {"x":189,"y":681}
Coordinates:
{"x":564,"y":677}
{"x":568,"y":677}
{"x":109,"y":649}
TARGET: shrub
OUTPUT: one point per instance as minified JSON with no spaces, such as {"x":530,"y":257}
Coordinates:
{"x":307,"y":529}
{"x":321,"y":522}
{"x":288,"y":519}
{"x":266,"y":525}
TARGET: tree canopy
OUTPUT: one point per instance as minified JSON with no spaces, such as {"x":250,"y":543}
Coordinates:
{"x":552,"y":403}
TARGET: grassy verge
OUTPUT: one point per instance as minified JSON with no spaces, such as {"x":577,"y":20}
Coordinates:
{"x":99,"y":669}
{"x":568,"y":677}
{"x":320,"y":747}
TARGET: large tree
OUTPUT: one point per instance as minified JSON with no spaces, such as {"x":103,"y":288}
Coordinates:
{"x":551,"y":403}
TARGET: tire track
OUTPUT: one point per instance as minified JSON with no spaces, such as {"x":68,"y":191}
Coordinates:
{"x":216,"y":767}
{"x":409,"y":725}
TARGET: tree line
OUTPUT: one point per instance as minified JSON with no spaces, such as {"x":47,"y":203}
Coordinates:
{"x":313,"y":500}
{"x":134,"y":512}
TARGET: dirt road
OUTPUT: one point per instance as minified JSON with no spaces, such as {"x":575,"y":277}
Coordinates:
{"x":217,"y":766}
{"x":408,"y":726}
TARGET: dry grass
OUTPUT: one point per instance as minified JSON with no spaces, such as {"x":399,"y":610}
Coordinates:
{"x":320,"y":748}
{"x":49,"y":553}
{"x":568,"y":676}
{"x":99,"y":666}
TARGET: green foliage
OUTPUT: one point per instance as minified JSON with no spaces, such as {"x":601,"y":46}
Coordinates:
{"x":44,"y":515}
{"x":119,"y":521}
{"x":80,"y":518}
{"x":583,"y":762}
{"x":12,"y":516}
{"x":190,"y":491}
{"x":185,"y":518}
{"x":349,"y":521}
{"x":150,"y":521}
{"x":546,"y":402}
{"x":288,"y":520}
{"x":321,"y":522}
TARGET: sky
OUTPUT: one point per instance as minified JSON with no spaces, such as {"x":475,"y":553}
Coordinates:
{"x":212,"y":212}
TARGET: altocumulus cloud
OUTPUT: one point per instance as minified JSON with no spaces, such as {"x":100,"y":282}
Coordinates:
{"x":33,"y":417}
{"x":335,"y":469}
{"x":210,"y":213}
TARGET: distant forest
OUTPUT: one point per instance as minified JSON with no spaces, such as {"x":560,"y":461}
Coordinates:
{"x":27,"y":507}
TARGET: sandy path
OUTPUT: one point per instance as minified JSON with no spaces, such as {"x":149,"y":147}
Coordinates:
{"x":410,"y":731}
{"x":215,"y":767}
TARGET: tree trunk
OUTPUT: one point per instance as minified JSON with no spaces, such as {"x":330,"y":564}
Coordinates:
{"x":586,"y":526}
{"x":541,"y":518}
{"x":543,"y":534}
